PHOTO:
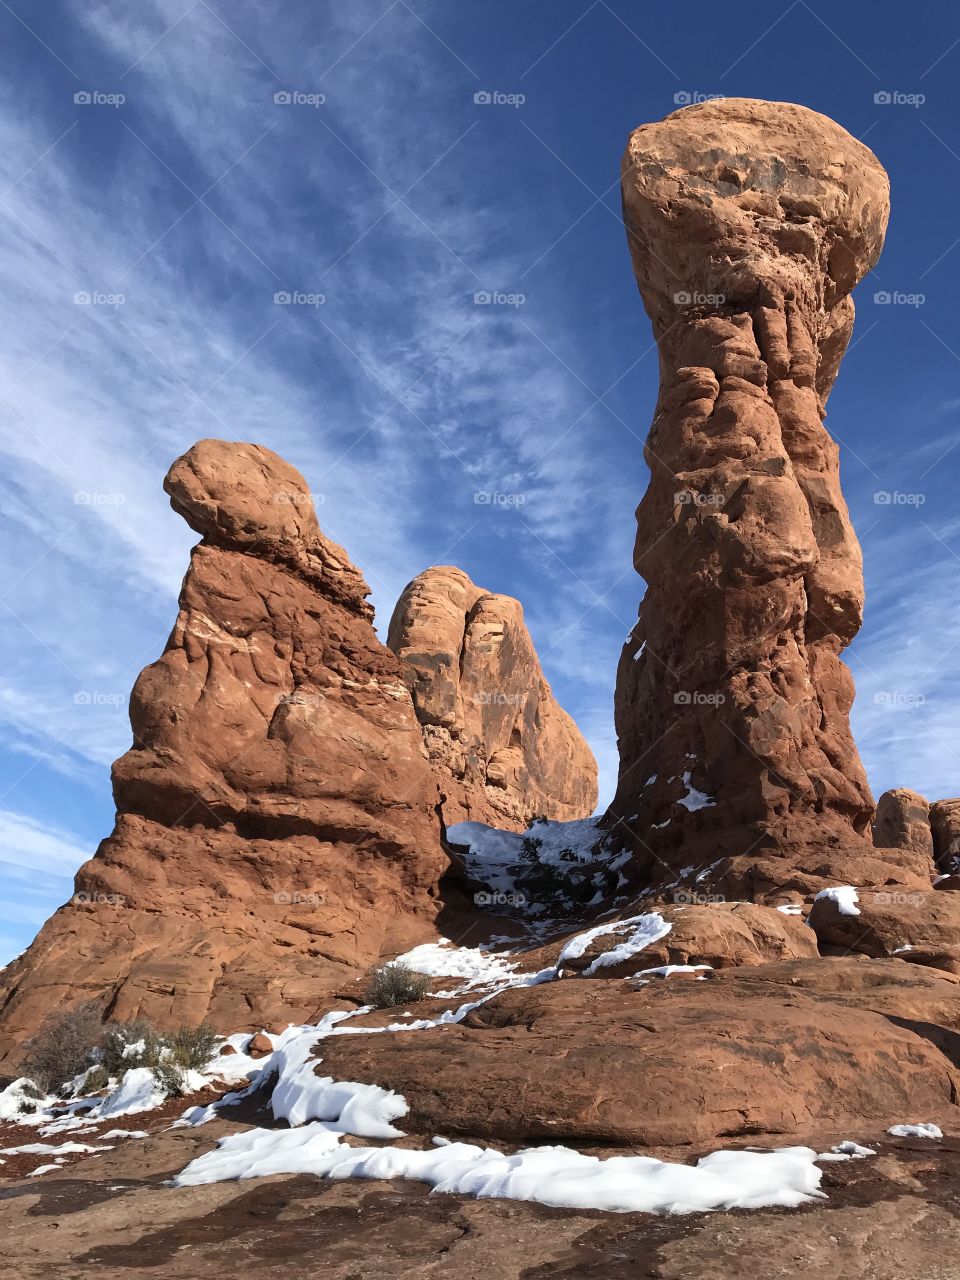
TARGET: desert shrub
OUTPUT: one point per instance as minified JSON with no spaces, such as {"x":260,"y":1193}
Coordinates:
{"x":169,"y":1056}
{"x":124,"y":1045}
{"x":77,"y":1043}
{"x":193,"y":1047}
{"x":395,"y":984}
{"x":63,"y":1047}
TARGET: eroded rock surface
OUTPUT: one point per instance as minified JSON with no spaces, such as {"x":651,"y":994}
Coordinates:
{"x":502,"y":747}
{"x":902,"y":821}
{"x":674,"y":1063}
{"x":277,"y":821}
{"x":749,"y":223}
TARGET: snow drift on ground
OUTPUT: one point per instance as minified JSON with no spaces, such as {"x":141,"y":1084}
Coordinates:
{"x":549,"y":1175}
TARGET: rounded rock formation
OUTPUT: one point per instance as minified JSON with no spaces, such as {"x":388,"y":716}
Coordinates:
{"x":902,"y":821}
{"x":502,"y":747}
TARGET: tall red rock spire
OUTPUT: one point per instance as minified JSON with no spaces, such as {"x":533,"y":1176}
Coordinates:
{"x":749,"y":223}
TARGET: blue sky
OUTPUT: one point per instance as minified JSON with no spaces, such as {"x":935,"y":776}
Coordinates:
{"x":184,"y":209}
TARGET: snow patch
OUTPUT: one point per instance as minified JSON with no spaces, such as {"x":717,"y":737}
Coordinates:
{"x":845,"y":897}
{"x":644,"y":930}
{"x":915,"y":1131}
{"x":139,"y":1091}
{"x":694,"y":799}
{"x":555,"y":1176}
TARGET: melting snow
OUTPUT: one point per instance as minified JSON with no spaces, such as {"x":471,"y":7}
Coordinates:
{"x":665,"y":970}
{"x":844,"y":895}
{"x":694,"y":799}
{"x":847,"y":1151}
{"x":554,"y":1176}
{"x":915,"y":1131}
{"x":644,"y":930}
{"x":139,"y":1091}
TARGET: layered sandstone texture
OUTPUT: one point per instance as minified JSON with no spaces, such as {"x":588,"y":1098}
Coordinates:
{"x":902,"y":821}
{"x":749,"y":223}
{"x":277,"y":817}
{"x":503,"y":749}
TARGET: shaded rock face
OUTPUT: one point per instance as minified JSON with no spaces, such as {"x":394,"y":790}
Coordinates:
{"x":749,"y":223}
{"x":902,"y":821}
{"x":502,"y":747}
{"x":277,"y":821}
{"x":945,"y":827}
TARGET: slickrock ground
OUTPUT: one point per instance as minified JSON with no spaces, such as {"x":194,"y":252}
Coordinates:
{"x":749,"y":223}
{"x":502,"y":747}
{"x":887,"y":1218}
{"x":277,"y":824}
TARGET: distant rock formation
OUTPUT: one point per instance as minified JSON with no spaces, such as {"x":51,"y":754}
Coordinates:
{"x":902,"y":821}
{"x":502,"y":747}
{"x":277,"y":817}
{"x":749,"y":223}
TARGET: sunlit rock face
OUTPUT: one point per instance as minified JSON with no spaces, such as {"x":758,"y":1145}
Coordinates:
{"x":749,"y":223}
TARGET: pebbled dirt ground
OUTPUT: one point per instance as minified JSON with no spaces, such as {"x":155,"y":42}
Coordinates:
{"x":895,"y":1216}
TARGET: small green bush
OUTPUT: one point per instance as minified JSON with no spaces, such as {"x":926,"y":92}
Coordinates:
{"x":395,"y":984}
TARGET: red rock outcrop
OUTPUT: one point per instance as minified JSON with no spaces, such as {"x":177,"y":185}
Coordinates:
{"x":749,"y":223}
{"x":502,"y":747}
{"x":748,"y":1052}
{"x":277,"y":818}
{"x":902,"y":821}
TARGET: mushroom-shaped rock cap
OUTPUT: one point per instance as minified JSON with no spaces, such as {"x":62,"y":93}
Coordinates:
{"x":243,"y":497}
{"x":238,"y":494}
{"x":727,"y":196}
